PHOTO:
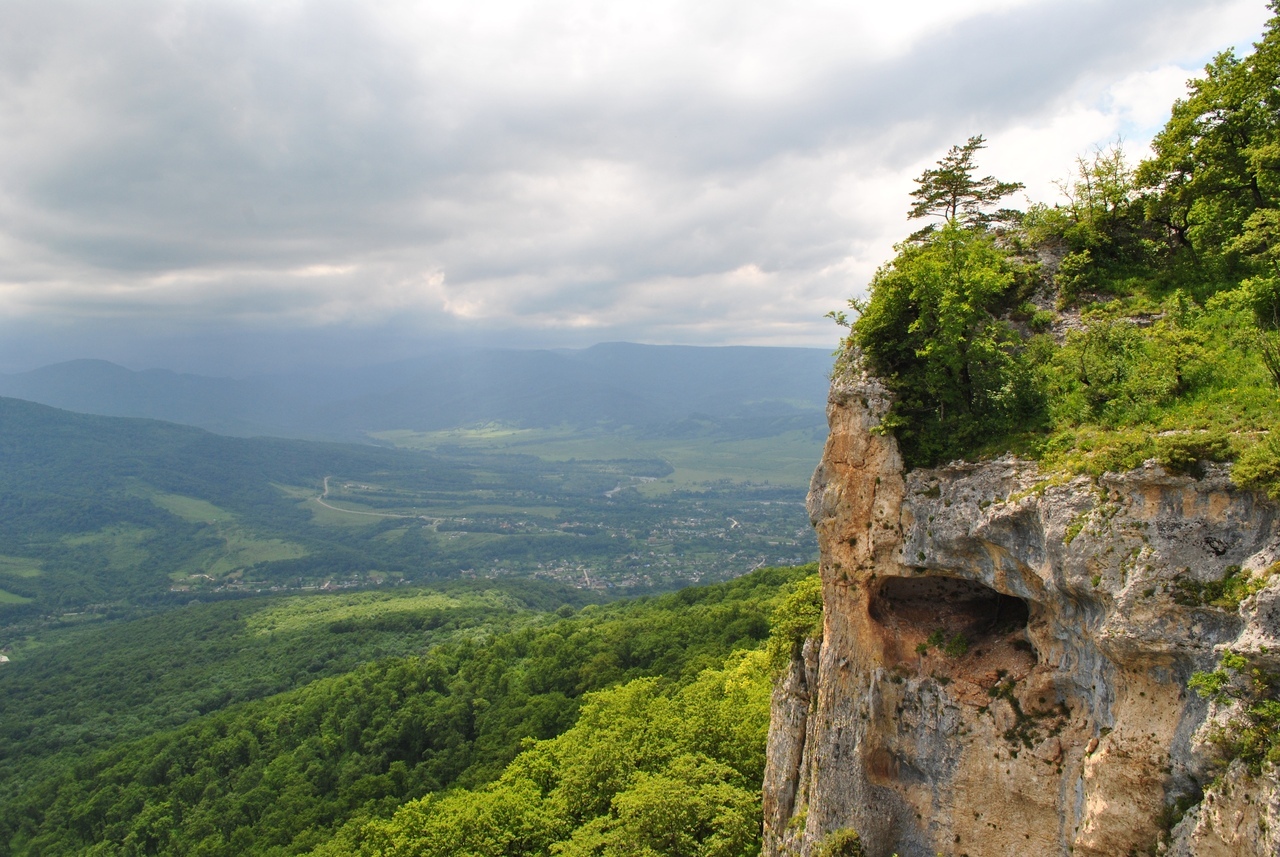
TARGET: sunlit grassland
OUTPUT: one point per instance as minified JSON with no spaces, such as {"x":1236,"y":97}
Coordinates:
{"x":191,"y":509}
{"x":122,"y":544}
{"x":20,"y":566}
{"x":125,"y":547}
{"x":241,"y":550}
{"x":12,"y":598}
{"x":368,"y":504}
{"x":356,"y":518}
{"x":301,"y":612}
{"x":238,"y":550}
{"x":785,"y":460}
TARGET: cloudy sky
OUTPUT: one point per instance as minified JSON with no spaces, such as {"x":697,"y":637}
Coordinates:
{"x":233,"y":186}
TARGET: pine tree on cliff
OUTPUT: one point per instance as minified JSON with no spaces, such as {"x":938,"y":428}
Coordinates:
{"x":951,"y":192}
{"x":930,"y":327}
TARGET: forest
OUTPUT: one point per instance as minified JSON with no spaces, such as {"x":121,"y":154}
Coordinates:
{"x":415,"y":748}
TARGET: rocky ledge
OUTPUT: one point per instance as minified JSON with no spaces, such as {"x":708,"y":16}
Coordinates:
{"x":1005,"y":658}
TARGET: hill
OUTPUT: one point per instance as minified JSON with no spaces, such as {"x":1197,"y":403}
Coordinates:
{"x":614,"y":384}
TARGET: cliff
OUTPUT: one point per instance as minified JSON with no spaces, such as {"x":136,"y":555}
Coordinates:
{"x":1005,"y":658}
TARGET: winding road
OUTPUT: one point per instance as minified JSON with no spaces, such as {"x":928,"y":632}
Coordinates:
{"x":321,"y":501}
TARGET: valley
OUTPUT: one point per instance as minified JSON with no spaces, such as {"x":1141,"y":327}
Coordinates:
{"x":346,"y":625}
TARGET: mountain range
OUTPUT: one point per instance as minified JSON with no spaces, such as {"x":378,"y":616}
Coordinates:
{"x":612,"y":384}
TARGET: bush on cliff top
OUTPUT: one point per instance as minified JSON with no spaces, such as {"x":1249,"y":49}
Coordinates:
{"x":930,"y":329}
{"x":1164,"y":337}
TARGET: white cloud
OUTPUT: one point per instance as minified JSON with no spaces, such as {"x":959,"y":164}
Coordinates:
{"x":550,"y":170}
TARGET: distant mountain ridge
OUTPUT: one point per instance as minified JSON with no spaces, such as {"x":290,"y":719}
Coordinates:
{"x":613,"y":384}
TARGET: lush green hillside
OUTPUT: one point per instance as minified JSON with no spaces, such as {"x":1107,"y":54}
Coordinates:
{"x":72,"y":691}
{"x":646,"y":770}
{"x":281,"y":775}
{"x":1139,"y":319}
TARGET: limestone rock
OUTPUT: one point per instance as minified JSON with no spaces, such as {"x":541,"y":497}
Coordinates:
{"x":1005,"y":657}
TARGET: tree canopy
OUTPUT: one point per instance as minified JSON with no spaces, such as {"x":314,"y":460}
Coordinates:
{"x":1217,"y":160}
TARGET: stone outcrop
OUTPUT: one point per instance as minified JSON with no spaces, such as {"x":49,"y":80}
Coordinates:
{"x":1005,"y":657}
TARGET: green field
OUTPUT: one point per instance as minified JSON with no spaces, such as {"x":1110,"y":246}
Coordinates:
{"x":20,"y":566}
{"x":123,"y":546}
{"x":301,"y":612}
{"x":192,"y":509}
{"x":786,"y":459}
{"x":240,"y":550}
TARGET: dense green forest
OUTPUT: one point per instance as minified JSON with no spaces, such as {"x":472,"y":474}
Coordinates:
{"x":283,"y":774}
{"x":85,"y":687}
{"x":1138,"y":319}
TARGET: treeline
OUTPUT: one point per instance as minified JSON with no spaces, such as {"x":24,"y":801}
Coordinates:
{"x":281,"y":775}
{"x":1138,"y":319}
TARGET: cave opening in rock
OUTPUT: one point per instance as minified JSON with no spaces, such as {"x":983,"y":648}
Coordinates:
{"x":952,"y":617}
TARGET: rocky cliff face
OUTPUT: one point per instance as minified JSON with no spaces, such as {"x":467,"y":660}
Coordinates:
{"x":1005,"y":658}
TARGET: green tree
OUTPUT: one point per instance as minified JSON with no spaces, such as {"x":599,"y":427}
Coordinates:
{"x":930,"y":329}
{"x":1217,"y":161}
{"x":1252,"y":731}
{"x":951,"y":192}
{"x":1260,"y":243}
{"x":648,"y":771}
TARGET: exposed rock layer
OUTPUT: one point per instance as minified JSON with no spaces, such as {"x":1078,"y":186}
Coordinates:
{"x":1004,"y":666}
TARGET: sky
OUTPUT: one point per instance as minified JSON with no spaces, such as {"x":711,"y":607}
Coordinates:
{"x":237,"y":187}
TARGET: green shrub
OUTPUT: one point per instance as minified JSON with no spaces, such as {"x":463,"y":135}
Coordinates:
{"x":1181,"y":453}
{"x":1041,"y":320}
{"x":842,"y":843}
{"x":1252,"y":733}
{"x":957,"y":646}
{"x":930,"y":330}
{"x":1258,"y":467}
{"x":1076,"y":274}
{"x":1226,"y":593}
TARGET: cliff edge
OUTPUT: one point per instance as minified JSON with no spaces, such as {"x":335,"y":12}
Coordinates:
{"x":1005,"y":658}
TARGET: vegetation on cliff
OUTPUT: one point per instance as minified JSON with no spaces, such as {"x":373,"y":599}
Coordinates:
{"x":1139,"y":318}
{"x":1252,"y":732}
